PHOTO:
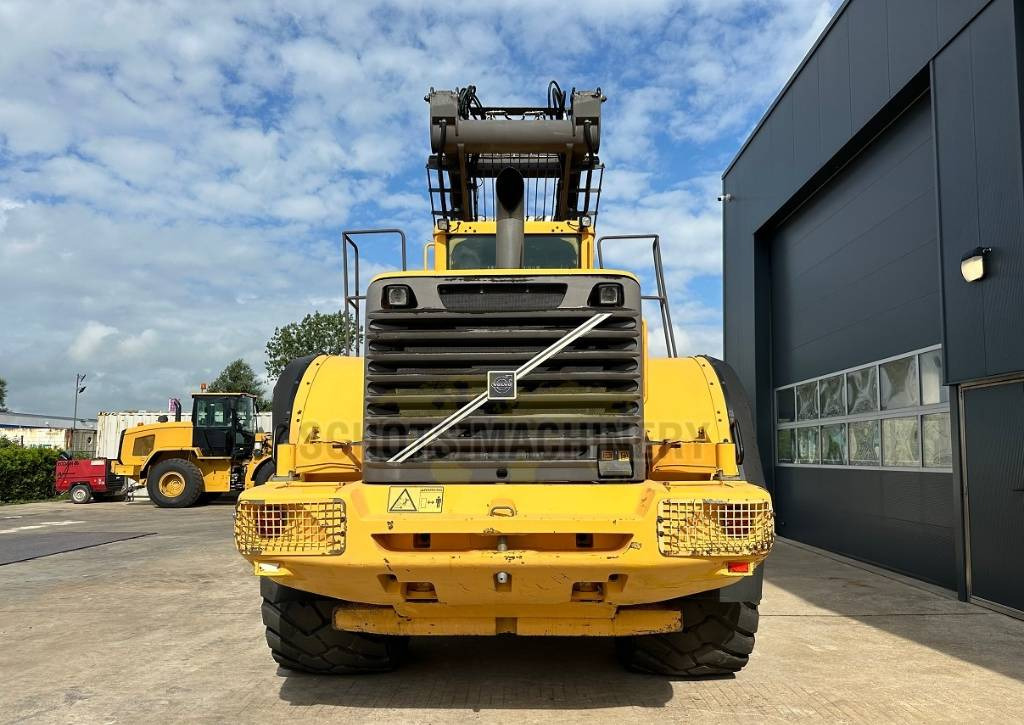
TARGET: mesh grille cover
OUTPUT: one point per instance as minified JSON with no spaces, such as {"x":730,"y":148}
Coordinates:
{"x":715,"y":528}
{"x":290,"y":528}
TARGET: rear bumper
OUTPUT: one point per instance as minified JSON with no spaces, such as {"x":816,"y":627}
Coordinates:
{"x":578,"y":559}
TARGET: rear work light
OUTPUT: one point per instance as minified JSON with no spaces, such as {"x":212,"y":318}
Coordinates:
{"x":607,"y":295}
{"x":397,"y":296}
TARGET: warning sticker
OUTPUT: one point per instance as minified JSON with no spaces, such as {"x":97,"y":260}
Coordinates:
{"x":415,"y":499}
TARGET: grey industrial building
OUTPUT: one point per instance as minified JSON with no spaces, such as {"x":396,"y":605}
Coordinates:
{"x":888,"y":388}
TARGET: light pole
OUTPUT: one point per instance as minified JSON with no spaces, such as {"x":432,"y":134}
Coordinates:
{"x":79,"y":389}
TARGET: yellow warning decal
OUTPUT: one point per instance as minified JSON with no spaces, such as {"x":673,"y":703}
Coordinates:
{"x":415,"y":499}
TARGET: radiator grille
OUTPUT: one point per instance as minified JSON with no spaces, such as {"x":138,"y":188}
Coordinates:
{"x":290,"y":528}
{"x":423,"y":365}
{"x":715,"y":528}
{"x":510,"y":297}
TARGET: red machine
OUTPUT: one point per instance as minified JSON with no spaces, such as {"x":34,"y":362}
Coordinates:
{"x":88,"y":479}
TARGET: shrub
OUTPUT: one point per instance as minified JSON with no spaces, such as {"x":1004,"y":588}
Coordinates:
{"x":26,"y":474}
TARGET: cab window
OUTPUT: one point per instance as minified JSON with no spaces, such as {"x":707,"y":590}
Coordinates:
{"x":213,"y":413}
{"x":246,"y":409}
{"x":540,"y":251}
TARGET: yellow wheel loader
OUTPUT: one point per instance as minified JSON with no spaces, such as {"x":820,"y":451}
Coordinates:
{"x":507,"y":456}
{"x":186,"y":462}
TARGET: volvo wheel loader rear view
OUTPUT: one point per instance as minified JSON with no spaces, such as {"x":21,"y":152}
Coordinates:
{"x":507,"y":456}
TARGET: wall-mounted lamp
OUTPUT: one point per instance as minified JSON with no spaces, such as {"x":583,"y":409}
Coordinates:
{"x":972,"y":264}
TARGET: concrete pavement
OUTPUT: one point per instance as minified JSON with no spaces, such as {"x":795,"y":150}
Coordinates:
{"x":167,"y":627}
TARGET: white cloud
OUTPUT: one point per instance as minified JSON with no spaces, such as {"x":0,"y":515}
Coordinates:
{"x":90,"y":340}
{"x":7,"y":205}
{"x":175,"y":176}
{"x":135,"y":345}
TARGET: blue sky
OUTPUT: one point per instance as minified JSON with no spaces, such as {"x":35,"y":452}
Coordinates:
{"x":174,"y":177}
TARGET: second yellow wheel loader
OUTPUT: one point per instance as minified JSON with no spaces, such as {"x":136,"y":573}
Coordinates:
{"x":181,"y":463}
{"x":507,"y":456}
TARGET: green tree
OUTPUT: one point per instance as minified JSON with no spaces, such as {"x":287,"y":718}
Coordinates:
{"x":239,"y":377}
{"x":316,"y":334}
{"x":3,"y":394}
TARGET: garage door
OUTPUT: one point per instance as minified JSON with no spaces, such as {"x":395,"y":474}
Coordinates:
{"x":855,"y":284}
{"x":855,"y":270}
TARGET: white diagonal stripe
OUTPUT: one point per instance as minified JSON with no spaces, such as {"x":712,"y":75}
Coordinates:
{"x":522,"y":371}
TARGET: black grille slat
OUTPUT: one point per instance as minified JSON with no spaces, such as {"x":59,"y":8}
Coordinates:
{"x":548,"y":336}
{"x":423,"y":365}
{"x":525,"y":398}
{"x":480,"y":379}
{"x":497,"y":356}
{"x":538,"y":419}
{"x":425,"y":319}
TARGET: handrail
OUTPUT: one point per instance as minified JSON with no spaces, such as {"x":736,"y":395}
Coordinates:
{"x":659,"y":279}
{"x":351,"y":301}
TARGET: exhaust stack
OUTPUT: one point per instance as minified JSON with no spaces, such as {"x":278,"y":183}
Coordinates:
{"x":509,"y":216}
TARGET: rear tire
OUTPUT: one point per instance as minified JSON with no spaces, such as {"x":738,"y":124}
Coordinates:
{"x":302,"y":637}
{"x":174,"y":483}
{"x":263,"y":473}
{"x":80,"y":493}
{"x":717,"y":639}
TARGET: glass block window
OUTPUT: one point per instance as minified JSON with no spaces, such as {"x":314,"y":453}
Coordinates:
{"x":865,"y":443}
{"x":899,"y":386}
{"x":937,"y":441}
{"x":784,"y":445}
{"x":807,"y":445}
{"x":807,"y":401}
{"x":901,"y":442}
{"x":833,"y":444}
{"x":785,"y":405}
{"x":831,"y":402}
{"x":893,"y":413}
{"x":862,"y":391}
{"x":932,"y":389}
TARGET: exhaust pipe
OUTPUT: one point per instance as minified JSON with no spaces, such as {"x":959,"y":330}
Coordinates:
{"x":509,"y":216}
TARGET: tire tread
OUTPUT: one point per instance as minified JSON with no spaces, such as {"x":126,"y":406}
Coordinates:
{"x":302,"y":637}
{"x":717,"y":639}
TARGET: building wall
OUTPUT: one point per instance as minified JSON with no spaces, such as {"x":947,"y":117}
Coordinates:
{"x":873,"y":63}
{"x":978,"y":148}
{"x":61,"y":438}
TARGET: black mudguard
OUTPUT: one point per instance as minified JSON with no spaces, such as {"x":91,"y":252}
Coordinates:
{"x":284,"y":395}
{"x":741,"y":418}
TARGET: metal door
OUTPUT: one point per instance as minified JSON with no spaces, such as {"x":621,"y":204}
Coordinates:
{"x":993,"y":424}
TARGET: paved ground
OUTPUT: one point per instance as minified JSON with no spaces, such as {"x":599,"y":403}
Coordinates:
{"x":166,"y":628}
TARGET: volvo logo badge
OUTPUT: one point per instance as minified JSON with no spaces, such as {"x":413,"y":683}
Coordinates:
{"x":501,"y":385}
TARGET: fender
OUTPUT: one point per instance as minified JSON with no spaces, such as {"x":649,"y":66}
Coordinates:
{"x":741,"y":419}
{"x":284,"y":395}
